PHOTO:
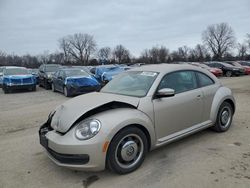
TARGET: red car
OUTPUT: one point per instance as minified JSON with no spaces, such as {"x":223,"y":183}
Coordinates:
{"x":238,"y":64}
{"x":216,"y":71}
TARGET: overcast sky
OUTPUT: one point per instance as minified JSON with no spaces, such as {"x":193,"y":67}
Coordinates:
{"x":33,"y":26}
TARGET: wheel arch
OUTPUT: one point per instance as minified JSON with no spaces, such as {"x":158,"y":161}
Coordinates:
{"x":223,"y":94}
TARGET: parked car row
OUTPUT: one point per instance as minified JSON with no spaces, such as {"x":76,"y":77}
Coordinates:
{"x":228,"y":69}
{"x":75,"y":80}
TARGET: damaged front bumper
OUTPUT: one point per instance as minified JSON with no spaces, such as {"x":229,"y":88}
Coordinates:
{"x":67,"y":151}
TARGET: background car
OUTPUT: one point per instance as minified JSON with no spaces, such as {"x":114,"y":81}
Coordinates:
{"x":1,"y":76}
{"x":227,"y":69}
{"x":45,"y":74}
{"x":137,"y":111}
{"x":16,"y":78}
{"x":244,"y":63}
{"x":237,"y":64}
{"x":99,"y":70}
{"x":74,"y":81}
{"x":216,"y":71}
{"x":35,"y":73}
{"x":109,"y":73}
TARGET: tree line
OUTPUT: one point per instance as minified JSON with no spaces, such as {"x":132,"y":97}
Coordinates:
{"x":218,"y":43}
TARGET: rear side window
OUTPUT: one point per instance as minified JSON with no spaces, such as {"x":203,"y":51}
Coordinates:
{"x":204,"y":80}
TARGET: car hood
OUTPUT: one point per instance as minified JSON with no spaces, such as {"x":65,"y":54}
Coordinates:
{"x":83,"y":80}
{"x":66,"y":114}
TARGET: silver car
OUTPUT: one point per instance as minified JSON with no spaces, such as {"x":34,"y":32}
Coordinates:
{"x":138,"y":111}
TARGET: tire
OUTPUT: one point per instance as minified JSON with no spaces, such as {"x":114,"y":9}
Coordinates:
{"x":224,"y":118}
{"x":229,"y":74}
{"x":33,"y":88}
{"x":66,"y":92}
{"x":53,"y":87}
{"x":46,"y":85}
{"x":40,"y":83}
{"x":5,"y":90}
{"x":127,"y":150}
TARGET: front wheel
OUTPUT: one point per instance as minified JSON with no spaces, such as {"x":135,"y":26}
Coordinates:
{"x":229,"y":73}
{"x":46,"y":84}
{"x":66,"y":92}
{"x":53,"y":87}
{"x":127,"y":150}
{"x":224,"y":118}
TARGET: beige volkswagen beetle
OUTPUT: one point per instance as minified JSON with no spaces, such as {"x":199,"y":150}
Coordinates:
{"x":138,"y":111}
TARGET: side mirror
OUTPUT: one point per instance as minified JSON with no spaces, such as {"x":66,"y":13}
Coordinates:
{"x":165,"y":92}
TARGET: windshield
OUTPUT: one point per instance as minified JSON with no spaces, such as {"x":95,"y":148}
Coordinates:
{"x":51,"y":68}
{"x":133,"y":83}
{"x":16,"y":71}
{"x":76,"y":72}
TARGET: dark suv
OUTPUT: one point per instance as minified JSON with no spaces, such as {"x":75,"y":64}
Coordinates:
{"x":227,"y":69}
{"x":45,"y":74}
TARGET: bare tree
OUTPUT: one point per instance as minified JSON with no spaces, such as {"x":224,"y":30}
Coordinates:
{"x":104,"y":54}
{"x":183,"y":53}
{"x":65,"y":47}
{"x":121,"y":54}
{"x":199,"y":53}
{"x":219,"y":38}
{"x":155,"y":55}
{"x":145,"y":56}
{"x":242,"y":51}
{"x":44,"y":57}
{"x":163,"y":54}
{"x":79,"y":46}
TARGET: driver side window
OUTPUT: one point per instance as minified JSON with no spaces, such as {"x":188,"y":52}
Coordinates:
{"x":180,"y":81}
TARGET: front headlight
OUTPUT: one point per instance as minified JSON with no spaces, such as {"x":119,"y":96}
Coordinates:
{"x":87,"y":129}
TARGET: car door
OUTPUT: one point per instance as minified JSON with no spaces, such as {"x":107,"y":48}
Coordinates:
{"x":55,"y":79}
{"x":61,"y":77}
{"x":181,"y":111}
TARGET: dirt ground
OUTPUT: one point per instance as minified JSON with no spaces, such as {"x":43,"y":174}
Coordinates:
{"x":206,"y":159}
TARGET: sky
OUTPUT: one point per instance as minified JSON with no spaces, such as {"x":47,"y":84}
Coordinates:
{"x":34,"y":26}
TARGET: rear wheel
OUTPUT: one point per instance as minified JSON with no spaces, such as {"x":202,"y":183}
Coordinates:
{"x":224,"y":118}
{"x":127,"y":150}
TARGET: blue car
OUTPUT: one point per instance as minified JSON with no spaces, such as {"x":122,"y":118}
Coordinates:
{"x":1,"y":76}
{"x":110,"y":73}
{"x":105,"y":73}
{"x":74,"y":81}
{"x":18,"y":78}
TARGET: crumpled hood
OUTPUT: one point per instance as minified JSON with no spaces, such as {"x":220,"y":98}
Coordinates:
{"x":70,"y":111}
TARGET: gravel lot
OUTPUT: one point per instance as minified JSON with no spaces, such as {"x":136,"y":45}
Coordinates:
{"x":206,"y":159}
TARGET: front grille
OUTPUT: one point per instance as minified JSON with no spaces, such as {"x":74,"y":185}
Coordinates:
{"x":27,"y":81}
{"x":16,"y":81}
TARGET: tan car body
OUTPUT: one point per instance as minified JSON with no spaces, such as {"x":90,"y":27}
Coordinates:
{"x":162,"y":119}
